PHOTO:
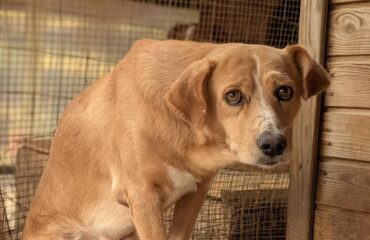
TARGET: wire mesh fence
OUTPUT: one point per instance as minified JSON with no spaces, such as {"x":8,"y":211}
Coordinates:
{"x":52,"y":49}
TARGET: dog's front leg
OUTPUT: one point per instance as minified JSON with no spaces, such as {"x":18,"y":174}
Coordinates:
{"x":147,"y":215}
{"x":186,"y":211}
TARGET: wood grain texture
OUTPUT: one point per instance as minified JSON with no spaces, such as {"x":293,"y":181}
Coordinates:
{"x":346,"y":134}
{"x":346,"y":1}
{"x":350,"y":83}
{"x":340,"y":224}
{"x":344,"y":184}
{"x":305,"y":135}
{"x":349,"y":29}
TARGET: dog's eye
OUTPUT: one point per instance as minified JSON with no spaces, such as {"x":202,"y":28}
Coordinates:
{"x":284,"y":93}
{"x":234,"y":97}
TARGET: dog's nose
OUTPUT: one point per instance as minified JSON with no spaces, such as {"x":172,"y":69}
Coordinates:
{"x":272,"y":144}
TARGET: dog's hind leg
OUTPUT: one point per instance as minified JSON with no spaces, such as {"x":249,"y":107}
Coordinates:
{"x":57,"y":228}
{"x":65,"y":235}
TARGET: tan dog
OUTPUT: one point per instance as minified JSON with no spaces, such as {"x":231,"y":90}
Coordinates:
{"x":155,"y":131}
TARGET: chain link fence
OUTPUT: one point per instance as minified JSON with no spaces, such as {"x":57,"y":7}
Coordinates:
{"x":50,"y":50}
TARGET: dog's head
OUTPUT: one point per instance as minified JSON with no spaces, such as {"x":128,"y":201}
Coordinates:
{"x":245,"y":98}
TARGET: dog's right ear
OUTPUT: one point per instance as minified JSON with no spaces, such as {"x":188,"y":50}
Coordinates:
{"x":187,"y":95}
{"x":314,"y":77}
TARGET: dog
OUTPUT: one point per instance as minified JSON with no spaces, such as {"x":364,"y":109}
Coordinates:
{"x":155,"y":131}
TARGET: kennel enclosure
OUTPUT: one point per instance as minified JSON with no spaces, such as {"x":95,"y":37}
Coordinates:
{"x":50,"y":50}
{"x":53,"y":49}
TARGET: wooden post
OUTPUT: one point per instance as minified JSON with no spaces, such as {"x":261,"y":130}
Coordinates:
{"x":312,"y":33}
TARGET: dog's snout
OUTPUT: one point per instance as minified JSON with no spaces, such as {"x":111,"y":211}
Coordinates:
{"x":272,"y":144}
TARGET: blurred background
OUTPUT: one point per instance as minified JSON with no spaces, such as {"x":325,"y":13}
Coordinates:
{"x":50,"y":50}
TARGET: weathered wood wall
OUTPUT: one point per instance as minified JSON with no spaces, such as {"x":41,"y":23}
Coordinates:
{"x":343,"y":182}
{"x":312,"y":35}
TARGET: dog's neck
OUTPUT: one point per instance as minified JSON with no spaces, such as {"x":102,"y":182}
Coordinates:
{"x":192,"y":149}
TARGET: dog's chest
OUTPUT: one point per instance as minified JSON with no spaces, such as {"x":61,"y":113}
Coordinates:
{"x":182,"y":182}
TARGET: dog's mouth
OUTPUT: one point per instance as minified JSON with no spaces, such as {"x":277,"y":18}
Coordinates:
{"x":267,"y":162}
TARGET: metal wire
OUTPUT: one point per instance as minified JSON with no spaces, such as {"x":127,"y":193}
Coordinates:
{"x":52,"y":49}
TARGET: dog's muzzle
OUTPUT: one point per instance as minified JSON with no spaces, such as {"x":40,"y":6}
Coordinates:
{"x":271,"y":145}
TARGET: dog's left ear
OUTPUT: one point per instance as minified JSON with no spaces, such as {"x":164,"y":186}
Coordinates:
{"x":187,"y":95}
{"x":314,"y":77}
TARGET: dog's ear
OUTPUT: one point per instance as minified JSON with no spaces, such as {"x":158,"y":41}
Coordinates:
{"x":187,"y":95}
{"x":314,"y":77}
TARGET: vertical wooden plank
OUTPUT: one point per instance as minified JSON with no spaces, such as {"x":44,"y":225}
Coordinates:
{"x":312,"y":33}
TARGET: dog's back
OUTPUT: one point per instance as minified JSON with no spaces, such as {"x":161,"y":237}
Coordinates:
{"x":77,"y":181}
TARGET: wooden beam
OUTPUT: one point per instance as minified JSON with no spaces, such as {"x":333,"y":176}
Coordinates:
{"x":346,"y":1}
{"x":350,"y":85}
{"x":333,"y":223}
{"x":305,"y":135}
{"x":344,"y":184}
{"x":346,"y":134}
{"x":349,"y":29}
